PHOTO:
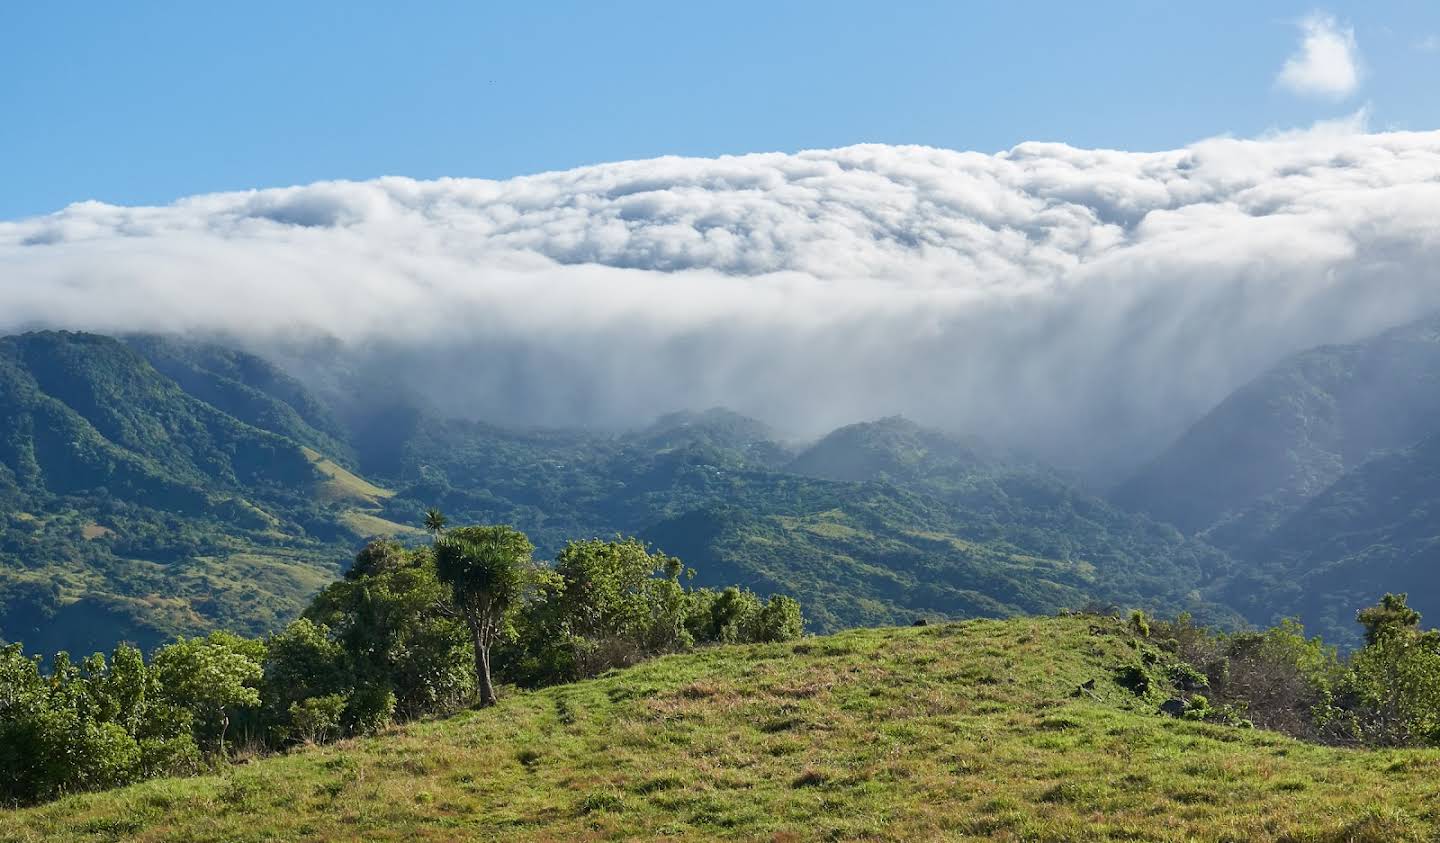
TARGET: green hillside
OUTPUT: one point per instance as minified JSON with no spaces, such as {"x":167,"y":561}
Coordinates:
{"x":151,"y":487}
{"x":877,"y":524}
{"x":155,"y":487}
{"x":872,"y":553}
{"x":249,"y":388}
{"x":134,"y":507}
{"x":894,"y":449}
{"x":1010,"y":730}
{"x":1378,"y":523}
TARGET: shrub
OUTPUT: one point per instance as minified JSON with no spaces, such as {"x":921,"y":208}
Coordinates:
{"x":1197,"y":708}
{"x":369,"y":710}
{"x":317,"y":719}
{"x":611,"y":604}
{"x":779,"y":620}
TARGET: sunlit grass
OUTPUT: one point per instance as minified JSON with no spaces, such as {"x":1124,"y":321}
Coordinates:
{"x":342,"y":486}
{"x":951,"y":732}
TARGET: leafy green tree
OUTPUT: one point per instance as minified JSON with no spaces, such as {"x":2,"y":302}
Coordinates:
{"x":211,"y":677}
{"x":402,"y":639}
{"x":1393,"y":688}
{"x":618,"y":603}
{"x":486,"y":568}
{"x":302,"y":662}
{"x":780,"y":619}
{"x":83,"y":727}
{"x":1396,"y":682}
{"x":368,"y":709}
{"x":736,"y":615}
{"x":27,"y":729}
{"x":611,"y":603}
{"x":122,"y":689}
{"x":730,"y":616}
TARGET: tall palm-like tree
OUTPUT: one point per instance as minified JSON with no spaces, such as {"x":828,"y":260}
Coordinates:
{"x":435,"y":522}
{"x":485,"y":567}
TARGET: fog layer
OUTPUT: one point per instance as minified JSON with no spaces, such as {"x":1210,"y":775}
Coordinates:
{"x":1085,"y":304}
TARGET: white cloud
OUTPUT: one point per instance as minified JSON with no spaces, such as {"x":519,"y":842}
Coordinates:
{"x":1428,"y":44}
{"x":1327,"y":63}
{"x":1087,"y":303}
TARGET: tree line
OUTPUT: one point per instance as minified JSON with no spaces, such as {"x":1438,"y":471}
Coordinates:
{"x":407,"y":632}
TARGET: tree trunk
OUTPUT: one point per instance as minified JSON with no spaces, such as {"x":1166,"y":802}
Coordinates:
{"x":482,"y":635}
{"x":482,"y":673}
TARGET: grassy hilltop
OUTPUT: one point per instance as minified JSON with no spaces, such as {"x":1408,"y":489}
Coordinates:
{"x":975,"y":730}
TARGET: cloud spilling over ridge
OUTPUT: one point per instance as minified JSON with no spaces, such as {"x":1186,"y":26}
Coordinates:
{"x":1084,"y":303}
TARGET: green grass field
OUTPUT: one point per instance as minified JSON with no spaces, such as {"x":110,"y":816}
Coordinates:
{"x":950,"y":732}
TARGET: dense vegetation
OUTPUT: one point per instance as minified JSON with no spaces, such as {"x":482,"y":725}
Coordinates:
{"x":879,"y":523}
{"x":393,"y":640}
{"x":1026,"y":729}
{"x":132,"y":510}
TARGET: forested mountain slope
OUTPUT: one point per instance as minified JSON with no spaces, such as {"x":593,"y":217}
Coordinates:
{"x":908,"y":530}
{"x":1379,"y":523}
{"x":894,"y":449}
{"x":157,"y":486}
{"x":249,"y":388}
{"x":1321,"y":476}
{"x":1292,"y":432}
{"x":135,"y":509}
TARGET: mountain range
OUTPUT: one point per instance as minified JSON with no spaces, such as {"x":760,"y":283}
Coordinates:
{"x":157,"y":486}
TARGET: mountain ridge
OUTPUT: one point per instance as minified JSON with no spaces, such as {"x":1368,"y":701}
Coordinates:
{"x":952,"y":533}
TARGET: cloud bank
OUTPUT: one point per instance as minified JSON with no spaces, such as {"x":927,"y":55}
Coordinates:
{"x":1327,"y":63}
{"x":1083,"y":303}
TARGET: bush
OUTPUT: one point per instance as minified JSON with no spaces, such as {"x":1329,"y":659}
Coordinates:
{"x":369,"y":710}
{"x":779,"y":620}
{"x":317,"y":719}
{"x":1394,"y":687}
{"x":1197,"y":708}
{"x":1386,"y":694}
{"x":85,"y":727}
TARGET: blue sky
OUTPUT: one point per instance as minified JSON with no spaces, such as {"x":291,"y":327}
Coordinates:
{"x":138,"y":103}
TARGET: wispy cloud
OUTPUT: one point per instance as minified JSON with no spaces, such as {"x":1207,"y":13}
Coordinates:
{"x":1428,"y":44}
{"x":1327,"y":62}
